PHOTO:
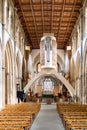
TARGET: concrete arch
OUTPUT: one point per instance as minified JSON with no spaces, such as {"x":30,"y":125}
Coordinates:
{"x":52,"y":72}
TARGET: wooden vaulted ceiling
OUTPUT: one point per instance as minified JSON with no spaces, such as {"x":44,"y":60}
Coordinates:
{"x":48,"y":16}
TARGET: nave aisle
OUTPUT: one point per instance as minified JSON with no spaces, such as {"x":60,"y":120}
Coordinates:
{"x":47,"y":119}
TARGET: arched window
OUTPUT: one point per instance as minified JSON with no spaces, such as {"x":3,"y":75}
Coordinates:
{"x":38,"y":67}
{"x":57,"y":67}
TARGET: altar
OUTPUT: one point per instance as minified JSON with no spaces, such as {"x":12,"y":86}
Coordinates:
{"x":48,"y":98}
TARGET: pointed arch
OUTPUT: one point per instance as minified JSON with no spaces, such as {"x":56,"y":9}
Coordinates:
{"x":72,"y":72}
{"x":48,"y":72}
{"x":8,"y":72}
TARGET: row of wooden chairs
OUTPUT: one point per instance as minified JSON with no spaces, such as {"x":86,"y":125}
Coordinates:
{"x":74,"y":116}
{"x":18,"y":116}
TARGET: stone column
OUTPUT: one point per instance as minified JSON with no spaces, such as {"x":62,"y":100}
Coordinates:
{"x":54,"y":53}
{"x":8,"y":85}
{"x":14,"y":95}
{"x":1,"y":62}
{"x":1,"y":87}
{"x":86,"y":21}
{"x":3,"y":75}
{"x":85,"y":85}
{"x":27,"y":59}
{"x":42,"y":53}
{"x":11,"y":89}
{"x":82,"y":37}
{"x":78,"y":89}
{"x":9,"y":19}
{"x":4,"y":4}
{"x":1,"y":94}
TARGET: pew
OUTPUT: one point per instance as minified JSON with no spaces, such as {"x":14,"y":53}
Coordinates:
{"x":74,"y":116}
{"x":18,"y":116}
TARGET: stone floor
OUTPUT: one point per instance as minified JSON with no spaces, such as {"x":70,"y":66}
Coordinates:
{"x":47,"y":119}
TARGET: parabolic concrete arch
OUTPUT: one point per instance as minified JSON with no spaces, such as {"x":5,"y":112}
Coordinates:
{"x":52,"y":72}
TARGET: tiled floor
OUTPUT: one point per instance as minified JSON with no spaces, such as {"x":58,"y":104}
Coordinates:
{"x":47,"y":119}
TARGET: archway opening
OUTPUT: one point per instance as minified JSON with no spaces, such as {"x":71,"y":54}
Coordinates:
{"x":48,"y":89}
{"x":8,"y":74}
{"x":18,"y":77}
{"x":53,"y":73}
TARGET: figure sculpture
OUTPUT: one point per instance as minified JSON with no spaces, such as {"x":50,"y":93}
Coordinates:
{"x":48,"y":47}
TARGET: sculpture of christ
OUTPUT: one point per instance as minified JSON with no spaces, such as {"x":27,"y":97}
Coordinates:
{"x":48,"y":48}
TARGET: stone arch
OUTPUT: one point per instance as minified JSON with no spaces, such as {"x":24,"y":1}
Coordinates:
{"x":8,"y":73}
{"x":52,"y":72}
